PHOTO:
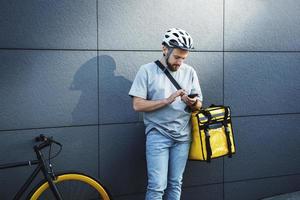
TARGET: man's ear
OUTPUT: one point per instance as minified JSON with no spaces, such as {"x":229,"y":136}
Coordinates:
{"x":164,"y":50}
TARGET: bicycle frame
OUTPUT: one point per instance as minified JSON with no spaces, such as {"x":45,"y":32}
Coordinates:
{"x":30,"y":178}
{"x":41,"y":166}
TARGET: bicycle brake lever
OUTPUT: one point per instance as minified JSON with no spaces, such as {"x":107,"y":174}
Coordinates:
{"x":53,"y":141}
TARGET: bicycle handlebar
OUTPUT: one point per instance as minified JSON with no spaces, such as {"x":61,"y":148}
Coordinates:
{"x":46,"y":141}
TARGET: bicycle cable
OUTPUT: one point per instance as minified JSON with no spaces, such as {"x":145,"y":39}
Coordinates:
{"x":55,"y":155}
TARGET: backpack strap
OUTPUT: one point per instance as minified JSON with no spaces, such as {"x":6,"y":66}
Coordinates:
{"x":227,"y":132}
{"x":165,"y":70}
{"x":207,"y":144}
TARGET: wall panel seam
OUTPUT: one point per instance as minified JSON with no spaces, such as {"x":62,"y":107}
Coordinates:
{"x":145,"y":50}
{"x":98,"y":88}
{"x":262,"y":178}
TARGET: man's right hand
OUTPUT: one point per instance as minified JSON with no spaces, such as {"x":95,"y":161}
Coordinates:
{"x":176,"y":94}
{"x":144,"y":105}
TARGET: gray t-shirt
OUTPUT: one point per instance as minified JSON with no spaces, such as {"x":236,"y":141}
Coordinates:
{"x":151,"y":83}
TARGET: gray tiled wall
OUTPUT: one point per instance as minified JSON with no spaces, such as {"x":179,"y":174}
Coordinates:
{"x":269,"y":144}
{"x":262,"y":83}
{"x":49,"y":24}
{"x":47,"y":88}
{"x":66,"y":68}
{"x":140,"y":24}
{"x":262,"y":25}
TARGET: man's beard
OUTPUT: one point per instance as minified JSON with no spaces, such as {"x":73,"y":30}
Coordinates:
{"x":173,"y":68}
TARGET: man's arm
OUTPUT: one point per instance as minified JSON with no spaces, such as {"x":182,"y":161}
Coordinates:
{"x":143,"y":105}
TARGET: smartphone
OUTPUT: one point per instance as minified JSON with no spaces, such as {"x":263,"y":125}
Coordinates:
{"x":192,"y":95}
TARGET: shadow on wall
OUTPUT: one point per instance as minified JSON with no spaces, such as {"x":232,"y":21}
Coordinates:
{"x":115,"y":104}
{"x":85,"y":81}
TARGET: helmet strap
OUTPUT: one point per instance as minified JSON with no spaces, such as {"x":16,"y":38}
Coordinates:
{"x":170,"y":50}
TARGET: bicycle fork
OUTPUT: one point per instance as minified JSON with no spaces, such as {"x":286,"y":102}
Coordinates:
{"x":49,"y":174}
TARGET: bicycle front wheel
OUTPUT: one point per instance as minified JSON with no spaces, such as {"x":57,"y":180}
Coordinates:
{"x":75,"y":186}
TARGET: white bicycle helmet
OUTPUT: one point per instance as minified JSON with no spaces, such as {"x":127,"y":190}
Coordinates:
{"x":178,"y":38}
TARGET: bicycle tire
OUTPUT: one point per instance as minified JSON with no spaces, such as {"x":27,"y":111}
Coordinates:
{"x":65,"y":183}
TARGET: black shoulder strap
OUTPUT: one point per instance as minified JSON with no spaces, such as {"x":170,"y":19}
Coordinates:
{"x":164,"y":69}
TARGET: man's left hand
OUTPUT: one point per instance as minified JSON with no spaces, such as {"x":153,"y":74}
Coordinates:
{"x":189,"y":101}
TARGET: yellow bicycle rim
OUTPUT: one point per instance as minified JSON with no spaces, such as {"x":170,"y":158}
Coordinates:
{"x":78,"y":177}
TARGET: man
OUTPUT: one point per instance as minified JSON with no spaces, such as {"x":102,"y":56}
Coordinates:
{"x":166,"y":118}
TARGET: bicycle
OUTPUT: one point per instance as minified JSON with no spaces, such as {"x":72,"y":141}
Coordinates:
{"x":59,"y":186}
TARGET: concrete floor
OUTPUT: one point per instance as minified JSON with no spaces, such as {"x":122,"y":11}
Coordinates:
{"x":289,"y":196}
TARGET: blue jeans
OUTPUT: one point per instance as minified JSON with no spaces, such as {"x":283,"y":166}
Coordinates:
{"x":166,"y":160}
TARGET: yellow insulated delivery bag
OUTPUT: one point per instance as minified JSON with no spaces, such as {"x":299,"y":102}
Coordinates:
{"x":212,"y":134}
